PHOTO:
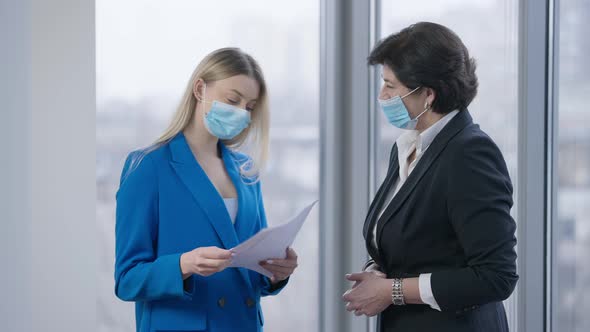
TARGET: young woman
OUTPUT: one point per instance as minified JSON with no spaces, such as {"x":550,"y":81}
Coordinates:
{"x":184,"y":202}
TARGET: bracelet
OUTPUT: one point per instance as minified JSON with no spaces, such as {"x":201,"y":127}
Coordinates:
{"x":397,"y":294}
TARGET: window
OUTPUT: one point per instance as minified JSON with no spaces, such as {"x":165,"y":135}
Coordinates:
{"x":145,"y":53}
{"x":571,"y":229}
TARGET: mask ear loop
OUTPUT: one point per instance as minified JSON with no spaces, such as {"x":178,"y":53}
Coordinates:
{"x":409,"y":93}
{"x":426,"y":109}
{"x":202,"y":98}
{"x":419,"y":115}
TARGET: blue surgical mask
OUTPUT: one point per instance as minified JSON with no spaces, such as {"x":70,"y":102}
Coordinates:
{"x":225,"y":121}
{"x":397,"y":114}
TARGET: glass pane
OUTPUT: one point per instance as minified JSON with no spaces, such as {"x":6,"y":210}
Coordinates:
{"x":571,"y":239}
{"x":145,"y":53}
{"x":494,"y":45}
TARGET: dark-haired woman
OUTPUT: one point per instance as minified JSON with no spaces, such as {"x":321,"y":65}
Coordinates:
{"x":439,"y":231}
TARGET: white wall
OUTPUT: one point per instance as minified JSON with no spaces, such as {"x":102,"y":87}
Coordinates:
{"x":47,"y":188}
{"x":15,"y":217}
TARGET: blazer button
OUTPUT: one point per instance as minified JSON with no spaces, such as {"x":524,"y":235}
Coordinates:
{"x":250,"y":303}
{"x":221,"y":302}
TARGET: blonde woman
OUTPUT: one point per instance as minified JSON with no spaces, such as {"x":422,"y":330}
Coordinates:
{"x":189,"y":198}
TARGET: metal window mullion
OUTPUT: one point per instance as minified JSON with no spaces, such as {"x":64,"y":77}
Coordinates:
{"x":533,"y":213}
{"x":344,"y":154}
{"x":552,"y":151}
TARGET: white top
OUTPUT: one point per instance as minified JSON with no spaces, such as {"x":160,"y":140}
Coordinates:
{"x":231,"y":204}
{"x":407,"y":143}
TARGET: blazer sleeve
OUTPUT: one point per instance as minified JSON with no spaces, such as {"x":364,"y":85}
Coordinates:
{"x":368,"y":263}
{"x":479,"y":199}
{"x":139,"y":274}
{"x":267,"y":288}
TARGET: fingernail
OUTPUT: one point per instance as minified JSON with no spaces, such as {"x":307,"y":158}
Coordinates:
{"x":270,"y":261}
{"x":233,"y":254}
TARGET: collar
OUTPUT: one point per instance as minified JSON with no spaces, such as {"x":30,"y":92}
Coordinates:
{"x":422,"y":141}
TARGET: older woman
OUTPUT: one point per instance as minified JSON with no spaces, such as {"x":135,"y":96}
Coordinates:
{"x":439,"y":230}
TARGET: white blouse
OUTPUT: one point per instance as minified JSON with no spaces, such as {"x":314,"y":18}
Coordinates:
{"x":231,"y":204}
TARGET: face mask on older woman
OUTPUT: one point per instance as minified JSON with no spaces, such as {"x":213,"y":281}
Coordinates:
{"x":396,"y":112}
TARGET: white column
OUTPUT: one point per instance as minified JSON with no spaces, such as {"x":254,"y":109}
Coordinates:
{"x":49,"y":200}
{"x":15,"y":186}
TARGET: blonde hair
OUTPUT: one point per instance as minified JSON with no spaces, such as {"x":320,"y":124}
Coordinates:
{"x":221,"y":64}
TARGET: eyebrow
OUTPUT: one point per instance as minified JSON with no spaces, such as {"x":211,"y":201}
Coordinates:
{"x":241,"y":95}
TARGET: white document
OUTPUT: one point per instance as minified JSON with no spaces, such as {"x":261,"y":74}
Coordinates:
{"x":269,"y":243}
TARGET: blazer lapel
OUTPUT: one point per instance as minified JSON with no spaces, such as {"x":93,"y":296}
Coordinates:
{"x":458,"y":123}
{"x":246,"y":201}
{"x":378,"y":201}
{"x":202,"y":190}
{"x":243,"y":223}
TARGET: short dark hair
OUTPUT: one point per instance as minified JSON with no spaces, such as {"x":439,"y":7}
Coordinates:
{"x":430,"y":55}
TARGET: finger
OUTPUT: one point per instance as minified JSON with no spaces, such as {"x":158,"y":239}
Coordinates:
{"x":291,"y":253}
{"x":356,"y":276}
{"x":216,"y":253}
{"x":348,"y":296}
{"x":356,"y":283}
{"x":278,"y":269}
{"x":349,"y":307}
{"x":279,"y":277}
{"x":281,"y":262}
{"x":358,"y":313}
{"x":214,"y":263}
{"x":210,"y":271}
{"x":207,"y":273}
{"x":290,"y":259}
{"x":213,"y":269}
{"x":345,"y":297}
{"x":352,"y":307}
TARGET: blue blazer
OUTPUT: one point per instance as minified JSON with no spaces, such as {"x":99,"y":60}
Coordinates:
{"x":166,"y":205}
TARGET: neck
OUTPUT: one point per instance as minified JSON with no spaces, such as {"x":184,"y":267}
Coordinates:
{"x":427,"y":120}
{"x":199,"y":139}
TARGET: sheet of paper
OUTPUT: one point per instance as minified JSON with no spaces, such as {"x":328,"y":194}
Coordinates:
{"x":269,"y":243}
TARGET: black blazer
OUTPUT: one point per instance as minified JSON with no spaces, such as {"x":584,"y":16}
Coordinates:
{"x":450,"y":218}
